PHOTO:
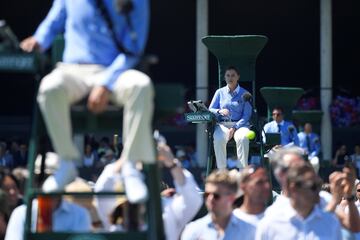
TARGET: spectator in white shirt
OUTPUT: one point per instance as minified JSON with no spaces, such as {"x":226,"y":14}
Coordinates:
{"x":255,"y":185}
{"x":221,"y":188}
{"x":177,"y":210}
{"x":302,"y":218}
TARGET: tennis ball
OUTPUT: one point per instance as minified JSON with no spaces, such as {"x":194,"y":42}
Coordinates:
{"x":251,"y":135}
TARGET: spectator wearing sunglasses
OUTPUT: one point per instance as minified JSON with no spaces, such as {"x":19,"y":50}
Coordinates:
{"x":302,"y":218}
{"x":287,"y":158}
{"x":221,"y":189}
{"x":255,"y":187}
{"x":286,"y":129}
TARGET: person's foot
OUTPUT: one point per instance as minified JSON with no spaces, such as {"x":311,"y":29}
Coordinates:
{"x":135,"y":187}
{"x":65,"y":174}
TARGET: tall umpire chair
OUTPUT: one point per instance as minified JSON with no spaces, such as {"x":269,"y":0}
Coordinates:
{"x":83,"y":121}
{"x":241,"y":52}
{"x":285,"y":97}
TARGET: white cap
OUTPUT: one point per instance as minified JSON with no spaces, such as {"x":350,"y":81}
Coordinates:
{"x":51,"y":163}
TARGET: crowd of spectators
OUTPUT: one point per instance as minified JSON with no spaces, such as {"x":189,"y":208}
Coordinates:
{"x":345,"y":111}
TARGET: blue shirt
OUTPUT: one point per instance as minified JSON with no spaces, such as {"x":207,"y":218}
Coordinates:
{"x":314,"y":143}
{"x":68,"y":217}
{"x":204,"y":228}
{"x":287,"y":131}
{"x":87,"y":36}
{"x":240,"y":110}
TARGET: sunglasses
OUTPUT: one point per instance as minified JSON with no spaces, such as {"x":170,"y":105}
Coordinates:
{"x":358,"y":190}
{"x":313,"y":186}
{"x":276,"y":114}
{"x":215,"y":195}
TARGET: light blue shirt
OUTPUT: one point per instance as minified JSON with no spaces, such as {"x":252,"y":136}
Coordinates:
{"x":204,"y":228}
{"x":314,"y":143}
{"x":287,"y":131}
{"x":240,"y":110}
{"x":87,"y":36}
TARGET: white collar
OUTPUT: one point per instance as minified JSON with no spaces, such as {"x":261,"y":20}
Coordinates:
{"x":236,"y":90}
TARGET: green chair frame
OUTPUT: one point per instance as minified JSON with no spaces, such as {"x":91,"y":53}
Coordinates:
{"x":83,"y":121}
{"x":240,"y":51}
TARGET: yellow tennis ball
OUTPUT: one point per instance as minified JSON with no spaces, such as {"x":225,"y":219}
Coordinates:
{"x":251,"y":135}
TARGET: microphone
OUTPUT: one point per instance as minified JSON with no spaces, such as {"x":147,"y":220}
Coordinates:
{"x":124,"y":6}
{"x":247,"y":97}
{"x":192,"y":106}
{"x":316,"y":140}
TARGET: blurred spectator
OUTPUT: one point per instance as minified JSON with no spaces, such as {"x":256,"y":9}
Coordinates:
{"x":80,"y":185}
{"x":310,"y":142}
{"x":90,"y":156}
{"x":6,"y":159}
{"x":21,"y":174}
{"x":341,"y":156}
{"x":255,"y":186}
{"x":355,"y":158}
{"x":221,"y":189}
{"x":191,"y":152}
{"x":345,"y":111}
{"x":66,"y":216}
{"x":302,"y":218}
{"x":19,"y":152}
{"x":183,"y":158}
{"x":308,"y":103}
{"x":104,"y":145}
{"x":10,"y":185}
{"x":4,"y":214}
{"x":107,"y":157}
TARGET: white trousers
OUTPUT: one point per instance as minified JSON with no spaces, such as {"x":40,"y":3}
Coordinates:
{"x":69,"y":83}
{"x":221,"y":135}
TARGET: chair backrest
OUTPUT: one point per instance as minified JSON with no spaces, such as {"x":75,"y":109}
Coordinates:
{"x":239,"y":51}
{"x":285,"y":97}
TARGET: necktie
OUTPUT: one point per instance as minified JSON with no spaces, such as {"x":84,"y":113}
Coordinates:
{"x":308,"y":143}
{"x":279,"y":128}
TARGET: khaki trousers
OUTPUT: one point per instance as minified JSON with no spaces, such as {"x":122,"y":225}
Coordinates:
{"x":69,"y":83}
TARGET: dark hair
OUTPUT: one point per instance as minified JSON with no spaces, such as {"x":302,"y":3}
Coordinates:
{"x":4,"y":173}
{"x":278,"y":108}
{"x":233,"y":68}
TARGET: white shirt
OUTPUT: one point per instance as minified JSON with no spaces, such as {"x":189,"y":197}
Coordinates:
{"x":177,"y":211}
{"x":251,"y":219}
{"x":287,"y":224}
{"x":181,"y":208}
{"x":281,"y":201}
{"x":67,"y":217}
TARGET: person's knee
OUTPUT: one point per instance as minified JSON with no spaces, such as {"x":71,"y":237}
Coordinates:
{"x":240,"y":138}
{"x":49,"y":88}
{"x":140,"y":81}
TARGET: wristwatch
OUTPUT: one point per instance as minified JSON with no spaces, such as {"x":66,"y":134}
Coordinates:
{"x":176,"y":163}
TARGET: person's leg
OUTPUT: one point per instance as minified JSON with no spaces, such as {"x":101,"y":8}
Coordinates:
{"x":58,"y":90}
{"x":221,"y":134}
{"x":135,"y":92}
{"x":242,"y":146}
